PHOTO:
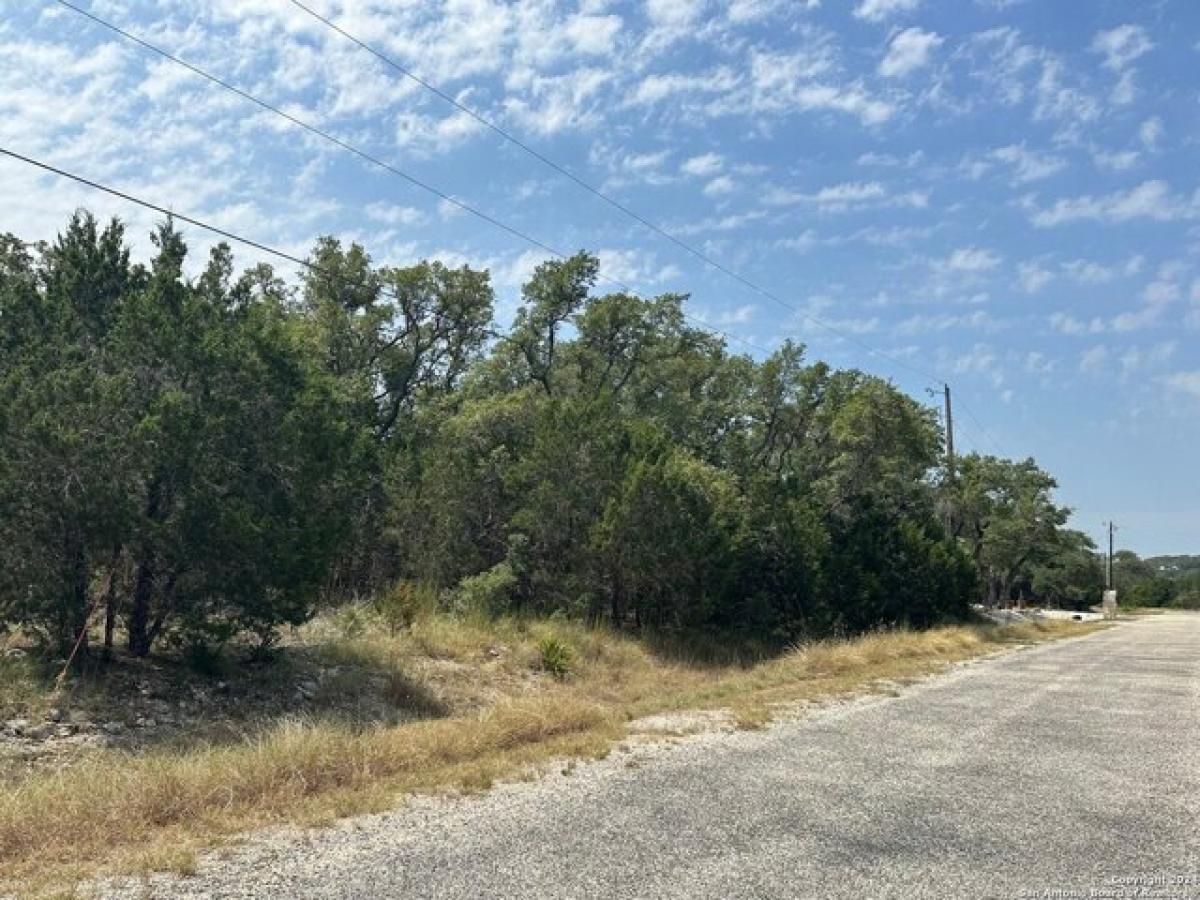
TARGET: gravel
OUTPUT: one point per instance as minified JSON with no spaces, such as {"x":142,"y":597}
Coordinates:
{"x":1066,"y":767}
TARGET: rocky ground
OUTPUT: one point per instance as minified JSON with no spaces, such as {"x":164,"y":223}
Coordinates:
{"x":140,"y":704}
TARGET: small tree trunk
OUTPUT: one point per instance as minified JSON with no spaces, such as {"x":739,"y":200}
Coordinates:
{"x":110,"y":623}
{"x":75,"y":637}
{"x":993,"y":591}
{"x":139,"y":613}
{"x":143,"y":587}
{"x":618,"y":601}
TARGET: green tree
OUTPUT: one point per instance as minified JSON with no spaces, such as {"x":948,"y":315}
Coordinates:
{"x":1007,"y":517}
{"x":1072,"y":576}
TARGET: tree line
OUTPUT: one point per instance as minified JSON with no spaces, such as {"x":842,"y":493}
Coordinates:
{"x":1162,"y":581}
{"x":186,"y":460}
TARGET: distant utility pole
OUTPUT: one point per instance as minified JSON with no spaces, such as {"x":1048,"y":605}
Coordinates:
{"x":1108,"y":574}
{"x":1109,"y":602}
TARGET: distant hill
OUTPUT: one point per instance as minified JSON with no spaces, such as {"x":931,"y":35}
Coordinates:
{"x":1174,"y":565}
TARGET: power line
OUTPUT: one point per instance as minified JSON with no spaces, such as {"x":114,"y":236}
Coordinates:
{"x":995,"y":443}
{"x":370,"y":158}
{"x":282,"y":254}
{"x":182,"y":217}
{"x":607,"y":198}
{"x":250,"y":242}
{"x":443,"y":195}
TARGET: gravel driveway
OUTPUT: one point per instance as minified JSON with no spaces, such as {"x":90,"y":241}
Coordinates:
{"x":1054,"y":771}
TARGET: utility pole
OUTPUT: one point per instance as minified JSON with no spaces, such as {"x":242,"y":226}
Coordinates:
{"x":1110,"y":592}
{"x":949,"y":434}
{"x":1108,"y":580}
{"x":949,"y":463}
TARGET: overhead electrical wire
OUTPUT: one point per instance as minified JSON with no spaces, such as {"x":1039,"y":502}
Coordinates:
{"x":609,"y":199}
{"x":370,"y":158}
{"x":443,"y":195}
{"x":974,"y":418}
{"x":251,"y":242}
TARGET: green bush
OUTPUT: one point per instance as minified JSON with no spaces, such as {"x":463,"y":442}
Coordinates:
{"x":350,"y":621}
{"x":406,"y":602}
{"x":1189,"y":600}
{"x":205,"y":659}
{"x":556,"y":657}
{"x":492,"y":591}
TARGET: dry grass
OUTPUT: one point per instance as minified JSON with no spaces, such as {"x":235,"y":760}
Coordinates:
{"x":501,"y":717}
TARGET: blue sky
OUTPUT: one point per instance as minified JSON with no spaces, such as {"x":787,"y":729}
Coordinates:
{"x":1002,"y":192}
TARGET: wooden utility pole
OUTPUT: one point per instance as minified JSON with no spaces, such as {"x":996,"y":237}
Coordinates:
{"x":1110,"y":591}
{"x":949,"y":464}
{"x":1108,"y":574}
{"x":949,"y":434}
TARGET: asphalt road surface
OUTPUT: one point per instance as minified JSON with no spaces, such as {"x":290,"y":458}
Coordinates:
{"x":1065,"y":770}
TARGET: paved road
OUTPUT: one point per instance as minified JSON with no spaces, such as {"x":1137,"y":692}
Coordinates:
{"x":1055,"y":769}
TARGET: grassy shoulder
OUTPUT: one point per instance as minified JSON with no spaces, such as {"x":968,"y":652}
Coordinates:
{"x":444,"y":705}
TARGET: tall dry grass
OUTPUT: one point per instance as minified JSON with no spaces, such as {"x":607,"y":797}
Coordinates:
{"x":116,"y":811}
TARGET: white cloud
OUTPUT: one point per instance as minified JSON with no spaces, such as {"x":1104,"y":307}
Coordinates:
{"x":732,"y":222}
{"x":1117,"y":161}
{"x":893,"y":236}
{"x":1095,"y":360}
{"x":1161,"y":292}
{"x":518,"y":270}
{"x":1156,"y":298}
{"x":1185,"y":382}
{"x":740,"y":315}
{"x":852,"y":100}
{"x":1057,"y":99}
{"x":1137,"y":358}
{"x":980,"y":359}
{"x":703,"y":166}
{"x":635,"y":267}
{"x":1122,"y":45}
{"x":908,"y":51}
{"x":801,"y":243}
{"x":389,"y":214}
{"x":1151,"y":132}
{"x":1147,"y":316}
{"x":1028,"y":165}
{"x":742,"y":12}
{"x":972,"y":321}
{"x":971,"y":259}
{"x":596,"y":35}
{"x":848,"y":195}
{"x":874,"y":158}
{"x":448,"y":209}
{"x":849,"y":192}
{"x":1064,"y":323}
{"x":655,"y":88}
{"x":674,"y":12}
{"x":1192,"y":317}
{"x":1033,"y":277}
{"x":1124,"y":91}
{"x":555,"y":103}
{"x":630,"y":167}
{"x":802,"y":80}
{"x":879,"y":10}
{"x":1148,"y":200}
{"x":720,"y":186}
{"x":1036,"y":363}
